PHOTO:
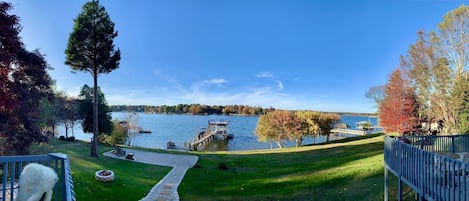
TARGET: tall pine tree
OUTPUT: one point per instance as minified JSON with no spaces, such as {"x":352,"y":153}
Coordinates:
{"x":91,"y":49}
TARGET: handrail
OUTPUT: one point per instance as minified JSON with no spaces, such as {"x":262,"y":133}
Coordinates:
{"x":12,"y":166}
{"x":433,"y":176}
{"x":68,"y":192}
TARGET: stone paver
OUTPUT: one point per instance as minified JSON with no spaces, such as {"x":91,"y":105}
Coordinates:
{"x":166,"y":188}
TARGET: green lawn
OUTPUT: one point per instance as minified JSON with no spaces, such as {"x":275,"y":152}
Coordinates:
{"x":351,"y":169}
{"x":346,"y":170}
{"x":133,"y":180}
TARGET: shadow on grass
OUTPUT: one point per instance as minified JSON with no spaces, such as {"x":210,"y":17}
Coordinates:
{"x":349,"y":139}
{"x":345,"y":170}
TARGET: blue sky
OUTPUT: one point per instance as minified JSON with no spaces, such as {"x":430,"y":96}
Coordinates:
{"x":288,"y":54}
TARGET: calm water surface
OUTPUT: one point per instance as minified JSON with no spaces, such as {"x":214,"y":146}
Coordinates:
{"x":182,"y":128}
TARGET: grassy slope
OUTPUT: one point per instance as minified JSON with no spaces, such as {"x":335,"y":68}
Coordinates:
{"x":340,"y":171}
{"x":346,"y":170}
{"x":133,"y":180}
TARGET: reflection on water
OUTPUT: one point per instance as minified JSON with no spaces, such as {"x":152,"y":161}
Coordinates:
{"x":217,"y":145}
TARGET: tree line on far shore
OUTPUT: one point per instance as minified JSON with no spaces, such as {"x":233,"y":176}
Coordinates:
{"x":201,"y":109}
{"x":196,"y":109}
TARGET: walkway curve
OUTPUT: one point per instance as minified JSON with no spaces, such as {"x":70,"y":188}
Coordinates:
{"x":166,"y":188}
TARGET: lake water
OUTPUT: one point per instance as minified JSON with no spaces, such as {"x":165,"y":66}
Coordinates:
{"x":182,"y":128}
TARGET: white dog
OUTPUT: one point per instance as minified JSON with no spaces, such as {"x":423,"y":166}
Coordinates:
{"x":36,"y":182}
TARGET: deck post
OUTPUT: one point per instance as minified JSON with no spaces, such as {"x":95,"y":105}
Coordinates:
{"x":399,"y":170}
{"x":399,"y":189}
{"x":422,"y":140}
{"x":453,"y":147}
{"x":385,"y":183}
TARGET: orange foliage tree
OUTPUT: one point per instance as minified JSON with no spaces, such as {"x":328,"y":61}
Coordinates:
{"x":399,"y":108}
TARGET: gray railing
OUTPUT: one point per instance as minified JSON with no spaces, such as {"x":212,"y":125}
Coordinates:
{"x":428,"y":165}
{"x":448,"y":143}
{"x":11,"y":167}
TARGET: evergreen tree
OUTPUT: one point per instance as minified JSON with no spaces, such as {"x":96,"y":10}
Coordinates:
{"x":86,"y":111}
{"x":91,"y":49}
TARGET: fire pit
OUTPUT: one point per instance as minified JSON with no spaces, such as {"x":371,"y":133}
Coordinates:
{"x":104,"y":175}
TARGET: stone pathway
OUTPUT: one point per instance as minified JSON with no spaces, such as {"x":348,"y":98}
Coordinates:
{"x":166,"y":188}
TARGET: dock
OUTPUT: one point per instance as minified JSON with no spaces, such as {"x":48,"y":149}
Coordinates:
{"x":215,"y":129}
{"x":353,"y":132}
{"x":348,"y":131}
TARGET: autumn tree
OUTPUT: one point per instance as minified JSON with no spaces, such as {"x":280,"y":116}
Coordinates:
{"x":119,"y":134}
{"x":419,"y":65}
{"x":399,"y":107}
{"x":90,"y":48}
{"x":453,"y":35}
{"x":265,"y":131}
{"x":453,"y":45}
{"x":436,"y":68}
{"x":23,"y":82}
{"x":195,"y":109}
{"x":277,"y":126}
{"x":326,"y":123}
{"x":309,"y":125}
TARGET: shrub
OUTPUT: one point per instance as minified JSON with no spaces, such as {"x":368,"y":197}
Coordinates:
{"x":118,"y":135}
{"x":222,"y":166}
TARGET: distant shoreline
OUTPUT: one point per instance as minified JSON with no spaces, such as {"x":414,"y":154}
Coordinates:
{"x":230,"y":110}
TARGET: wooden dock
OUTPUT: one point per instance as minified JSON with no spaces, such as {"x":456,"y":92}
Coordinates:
{"x":216,"y":128}
{"x":353,"y":132}
{"x":348,"y":131}
{"x":200,"y":140}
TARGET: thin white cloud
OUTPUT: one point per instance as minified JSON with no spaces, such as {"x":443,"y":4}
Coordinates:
{"x":279,"y":84}
{"x":171,"y":80}
{"x":264,"y":74}
{"x":253,"y":96}
{"x":202,"y":85}
{"x":217,"y":81}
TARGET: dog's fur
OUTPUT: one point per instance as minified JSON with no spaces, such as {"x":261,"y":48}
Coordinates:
{"x":36,"y":183}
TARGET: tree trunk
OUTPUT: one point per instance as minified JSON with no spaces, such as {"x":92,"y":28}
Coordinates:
{"x":279,"y":144}
{"x":73,"y":132}
{"x":299,"y":142}
{"x":94,"y":141}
